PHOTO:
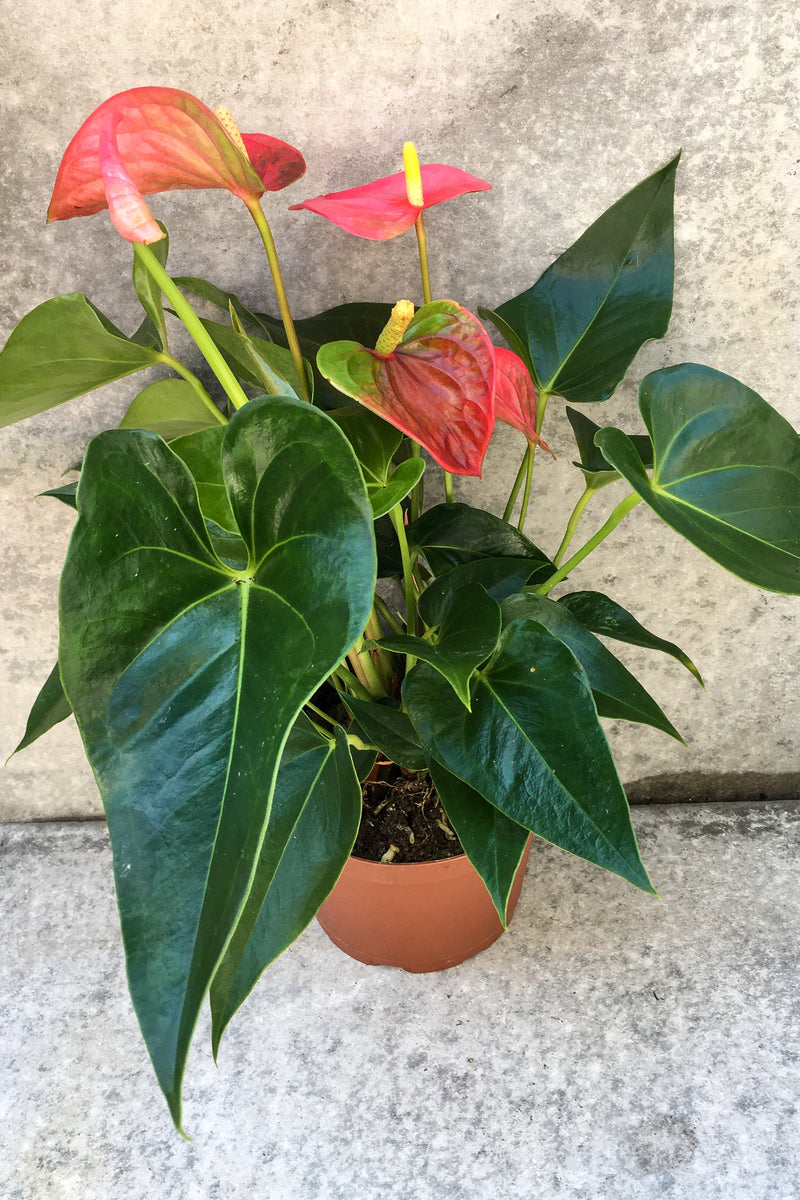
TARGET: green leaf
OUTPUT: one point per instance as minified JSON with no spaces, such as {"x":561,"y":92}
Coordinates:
{"x":403,"y":479}
{"x":533,"y":747}
{"x":263,"y":365}
{"x":222,"y":299}
{"x":597,"y":472}
{"x":148,"y":290}
{"x":585,"y":318}
{"x":617,"y":694}
{"x":175,"y":667}
{"x":64,"y":348}
{"x":67,"y":494}
{"x":467,"y":626}
{"x":493,"y":843}
{"x":202,"y":453}
{"x":602,"y":615}
{"x":500,"y":577}
{"x":451,"y":534}
{"x":49,"y":708}
{"x":316,"y":809}
{"x":169,"y":407}
{"x":726,"y":475}
{"x":385,"y":726}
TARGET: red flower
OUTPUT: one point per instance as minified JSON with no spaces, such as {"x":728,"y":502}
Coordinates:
{"x":155,"y":139}
{"x":431,"y":375}
{"x":382,"y":210}
{"x":515,"y":396}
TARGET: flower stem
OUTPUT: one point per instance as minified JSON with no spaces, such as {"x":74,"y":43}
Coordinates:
{"x":613,"y":521}
{"x":262,"y":225}
{"x":422,"y":244}
{"x":348,"y":680}
{"x":396,"y":517}
{"x":382,"y":607}
{"x":193,"y":324}
{"x":177,"y":366}
{"x":572,"y":524}
{"x":512,"y":499}
{"x":526,"y":495}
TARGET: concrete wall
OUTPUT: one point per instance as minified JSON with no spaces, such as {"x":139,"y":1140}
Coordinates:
{"x":562,"y":105}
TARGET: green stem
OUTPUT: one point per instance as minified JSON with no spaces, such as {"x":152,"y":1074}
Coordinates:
{"x":526,"y":495}
{"x":512,"y":499}
{"x":382,"y":607}
{"x":572,"y":524}
{"x":448,"y":487}
{"x":193,"y":324}
{"x":613,"y":521}
{"x":396,"y":517}
{"x":349,"y":681}
{"x":262,"y":225}
{"x":177,"y":366}
{"x":422,"y":244}
{"x":325,"y":716}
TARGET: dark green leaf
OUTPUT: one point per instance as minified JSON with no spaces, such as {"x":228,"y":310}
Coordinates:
{"x":617,"y":693}
{"x":66,"y":494}
{"x":602,"y":615}
{"x":493,"y":843}
{"x":316,"y":809}
{"x":202,"y":453}
{"x":149,"y":292}
{"x":596,"y":470}
{"x":451,"y":534}
{"x":404,"y":478}
{"x":169,"y":407}
{"x":175,"y":667}
{"x":467,"y":626}
{"x":533,"y":747}
{"x":49,"y":708}
{"x":585,"y":318}
{"x":726,"y":475}
{"x":501,"y":577}
{"x":262,"y":364}
{"x":64,"y":348}
{"x":386,"y":727}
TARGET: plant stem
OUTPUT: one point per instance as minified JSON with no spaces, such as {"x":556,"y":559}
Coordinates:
{"x":512,"y":499}
{"x":325,"y":716}
{"x":348,"y":679}
{"x":526,"y":495}
{"x":448,"y":488}
{"x":193,"y":324}
{"x":572,"y":524}
{"x":177,"y":366}
{"x":422,"y":244}
{"x":613,"y":521}
{"x":396,"y":516}
{"x":382,"y":607}
{"x":280,"y":291}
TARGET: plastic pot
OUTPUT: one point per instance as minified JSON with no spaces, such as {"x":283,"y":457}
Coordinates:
{"x":418,"y":916}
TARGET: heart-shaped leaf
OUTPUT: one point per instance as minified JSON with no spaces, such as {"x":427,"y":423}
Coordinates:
{"x":175,"y":667}
{"x":726,"y":474}
{"x":60,"y":350}
{"x":171,"y":408}
{"x":316,"y":809}
{"x":603,"y":615}
{"x":617,"y":694}
{"x":493,"y":843}
{"x":437,"y":386}
{"x":451,"y":534}
{"x":585,"y":318}
{"x":533,"y":747}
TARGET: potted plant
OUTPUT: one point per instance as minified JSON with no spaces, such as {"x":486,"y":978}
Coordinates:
{"x":257,"y":610}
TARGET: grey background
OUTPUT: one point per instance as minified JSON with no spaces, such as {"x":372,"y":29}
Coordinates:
{"x":562,"y":106}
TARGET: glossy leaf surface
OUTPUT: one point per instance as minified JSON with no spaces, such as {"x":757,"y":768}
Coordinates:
{"x":437,"y":386}
{"x":585,"y":318}
{"x":493,"y":843}
{"x":174,"y":665}
{"x":171,"y":408}
{"x":256,"y":361}
{"x":532,"y":746}
{"x":60,"y":350}
{"x":375,"y":442}
{"x":603,"y":615}
{"x":49,"y":708}
{"x":617,"y":694}
{"x":597,"y":472}
{"x":726,"y":474}
{"x":466,"y":626}
{"x":452,"y":534}
{"x":385,"y":726}
{"x":316,"y":809}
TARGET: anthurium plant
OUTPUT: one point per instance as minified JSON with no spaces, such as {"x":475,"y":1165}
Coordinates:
{"x":256,"y":600}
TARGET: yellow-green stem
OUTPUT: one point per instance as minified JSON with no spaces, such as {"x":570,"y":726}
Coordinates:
{"x":422,"y":244}
{"x":391,"y":620}
{"x":193,"y":324}
{"x":264,"y":230}
{"x":349,"y":681}
{"x":396,"y":517}
{"x":512,"y":499}
{"x":613,"y":521}
{"x":572,"y":524}
{"x":179,"y":368}
{"x":526,"y":495}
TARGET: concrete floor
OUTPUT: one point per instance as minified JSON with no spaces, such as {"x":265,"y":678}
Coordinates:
{"x":609,"y":1047}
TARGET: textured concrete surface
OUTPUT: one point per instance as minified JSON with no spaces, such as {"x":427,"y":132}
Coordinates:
{"x":610,"y":1045}
{"x":562,"y":105}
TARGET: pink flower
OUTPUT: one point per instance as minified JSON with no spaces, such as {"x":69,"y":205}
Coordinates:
{"x":382,"y":210}
{"x":155,"y":139}
{"x":515,"y":396}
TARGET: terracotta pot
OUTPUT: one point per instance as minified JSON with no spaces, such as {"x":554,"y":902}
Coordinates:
{"x":419,"y":916}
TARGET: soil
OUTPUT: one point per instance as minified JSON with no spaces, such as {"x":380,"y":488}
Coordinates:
{"x":402,"y":818}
